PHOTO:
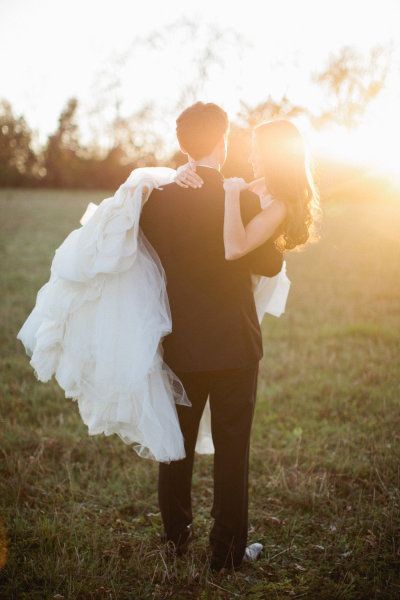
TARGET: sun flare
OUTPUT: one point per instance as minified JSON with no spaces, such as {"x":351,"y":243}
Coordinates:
{"x":375,"y":143}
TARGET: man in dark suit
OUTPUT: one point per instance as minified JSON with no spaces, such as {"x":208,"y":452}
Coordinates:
{"x":216,"y":344}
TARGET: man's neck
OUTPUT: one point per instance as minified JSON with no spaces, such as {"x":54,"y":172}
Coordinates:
{"x":205,"y":162}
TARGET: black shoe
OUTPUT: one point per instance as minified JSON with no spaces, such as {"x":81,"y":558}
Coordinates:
{"x":178,"y":546}
{"x":217,"y":567}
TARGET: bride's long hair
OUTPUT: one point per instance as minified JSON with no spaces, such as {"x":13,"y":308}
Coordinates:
{"x":286,"y":165}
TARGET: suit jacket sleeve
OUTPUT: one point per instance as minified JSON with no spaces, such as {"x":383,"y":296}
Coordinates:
{"x":266,"y":259}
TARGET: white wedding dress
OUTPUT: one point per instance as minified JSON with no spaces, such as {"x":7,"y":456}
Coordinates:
{"x":98,"y":325}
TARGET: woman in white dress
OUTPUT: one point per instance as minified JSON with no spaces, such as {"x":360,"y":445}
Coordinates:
{"x":98,"y":323}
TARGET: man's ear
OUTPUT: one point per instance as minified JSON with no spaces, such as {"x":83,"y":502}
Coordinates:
{"x":223,"y":141}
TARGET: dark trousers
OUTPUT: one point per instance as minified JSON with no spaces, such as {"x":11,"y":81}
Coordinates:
{"x":232,"y":401}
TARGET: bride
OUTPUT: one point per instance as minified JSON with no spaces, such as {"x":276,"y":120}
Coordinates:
{"x":98,"y":323}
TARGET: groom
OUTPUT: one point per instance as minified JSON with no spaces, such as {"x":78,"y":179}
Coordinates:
{"x":216,"y":344}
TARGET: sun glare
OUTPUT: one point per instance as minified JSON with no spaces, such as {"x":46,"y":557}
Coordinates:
{"x":375,"y":143}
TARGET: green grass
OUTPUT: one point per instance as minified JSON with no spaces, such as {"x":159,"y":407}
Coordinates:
{"x":79,"y":514}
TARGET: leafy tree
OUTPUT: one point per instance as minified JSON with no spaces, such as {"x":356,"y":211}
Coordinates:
{"x":61,"y":155}
{"x":352,"y":82}
{"x":18,"y":163}
{"x":251,"y":116}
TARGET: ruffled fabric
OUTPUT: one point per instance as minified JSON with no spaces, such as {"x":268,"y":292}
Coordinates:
{"x":98,"y":325}
{"x":270,"y":293}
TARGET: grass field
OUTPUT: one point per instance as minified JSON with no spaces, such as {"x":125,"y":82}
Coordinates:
{"x":79,"y":514}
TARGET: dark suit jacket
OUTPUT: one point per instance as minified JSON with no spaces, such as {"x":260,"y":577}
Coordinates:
{"x":214,"y":318}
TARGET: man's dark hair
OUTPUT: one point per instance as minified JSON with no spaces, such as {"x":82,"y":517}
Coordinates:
{"x":200,"y":127}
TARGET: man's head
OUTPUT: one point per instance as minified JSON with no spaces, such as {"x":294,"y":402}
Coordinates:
{"x":202,"y":132}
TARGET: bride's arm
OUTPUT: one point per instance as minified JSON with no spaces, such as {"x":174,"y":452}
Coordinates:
{"x":239,"y":239}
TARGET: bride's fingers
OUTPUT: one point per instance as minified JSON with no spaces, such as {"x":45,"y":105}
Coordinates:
{"x":189,"y":178}
{"x":252,"y":184}
{"x":192,"y":179}
{"x":180,"y":183}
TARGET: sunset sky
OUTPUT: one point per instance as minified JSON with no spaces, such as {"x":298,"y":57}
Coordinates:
{"x":53,"y":49}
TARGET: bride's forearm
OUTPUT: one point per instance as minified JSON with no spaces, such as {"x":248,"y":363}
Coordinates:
{"x":234,"y":231}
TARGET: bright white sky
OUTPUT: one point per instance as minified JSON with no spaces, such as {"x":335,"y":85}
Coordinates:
{"x":51,"y":50}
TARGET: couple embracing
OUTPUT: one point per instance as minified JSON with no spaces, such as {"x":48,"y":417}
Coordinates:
{"x":151,"y":317}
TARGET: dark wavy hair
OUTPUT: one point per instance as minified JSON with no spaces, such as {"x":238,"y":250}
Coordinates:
{"x":286,"y":165}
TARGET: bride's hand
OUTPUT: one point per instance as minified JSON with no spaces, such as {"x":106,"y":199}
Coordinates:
{"x":187,"y":177}
{"x":257,"y":185}
{"x":235,"y":184}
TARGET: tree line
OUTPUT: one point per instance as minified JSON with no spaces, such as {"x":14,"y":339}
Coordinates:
{"x":351,"y":81}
